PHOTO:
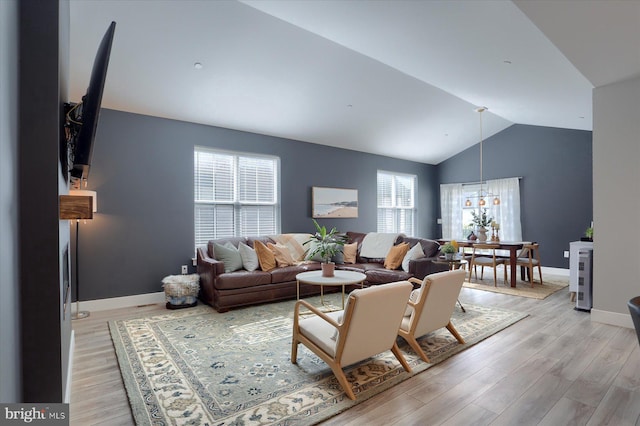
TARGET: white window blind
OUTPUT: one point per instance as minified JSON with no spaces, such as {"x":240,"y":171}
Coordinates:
{"x":396,"y":203}
{"x":235,"y":195}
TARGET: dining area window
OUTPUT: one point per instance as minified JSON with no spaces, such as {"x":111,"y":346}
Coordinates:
{"x":459,"y":202}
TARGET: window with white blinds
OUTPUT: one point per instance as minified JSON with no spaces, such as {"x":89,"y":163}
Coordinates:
{"x":396,"y":203}
{"x":235,"y":195}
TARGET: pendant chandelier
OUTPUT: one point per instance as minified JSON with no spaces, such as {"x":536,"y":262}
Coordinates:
{"x":482,"y":194}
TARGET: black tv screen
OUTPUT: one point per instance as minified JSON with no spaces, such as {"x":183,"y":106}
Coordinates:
{"x":85,"y":115}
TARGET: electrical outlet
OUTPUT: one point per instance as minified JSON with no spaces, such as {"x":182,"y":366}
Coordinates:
{"x":194,"y":261}
{"x":185,"y":270}
{"x":439,"y":221}
{"x":566,"y":254}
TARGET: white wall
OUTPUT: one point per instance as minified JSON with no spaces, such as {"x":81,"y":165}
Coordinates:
{"x":616,"y":199}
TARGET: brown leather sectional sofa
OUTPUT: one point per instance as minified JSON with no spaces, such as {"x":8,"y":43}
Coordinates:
{"x":226,"y":290}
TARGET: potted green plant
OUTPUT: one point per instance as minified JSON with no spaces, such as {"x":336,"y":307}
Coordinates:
{"x":481,"y":220}
{"x":588,"y":234}
{"x":325,"y":244}
{"x":448,"y":250}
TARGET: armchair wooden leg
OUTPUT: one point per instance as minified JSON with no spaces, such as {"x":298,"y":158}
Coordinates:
{"x":455,"y":333}
{"x":396,"y":351}
{"x":294,"y":350}
{"x":342,"y":380}
{"x":415,"y":346}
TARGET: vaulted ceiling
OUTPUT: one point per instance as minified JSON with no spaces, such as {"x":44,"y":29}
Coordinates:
{"x":395,"y":78}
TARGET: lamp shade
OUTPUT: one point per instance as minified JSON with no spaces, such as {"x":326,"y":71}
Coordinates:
{"x":86,"y":193}
{"x":79,"y":204}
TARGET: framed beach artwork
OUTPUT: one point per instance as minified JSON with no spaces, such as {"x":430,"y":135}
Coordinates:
{"x":334,"y":203}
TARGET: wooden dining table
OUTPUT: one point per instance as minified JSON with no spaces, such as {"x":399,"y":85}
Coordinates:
{"x":511,"y":246}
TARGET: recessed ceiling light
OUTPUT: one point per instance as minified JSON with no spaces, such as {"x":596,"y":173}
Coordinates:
{"x":349,"y":106}
{"x":197,"y":65}
{"x":581,"y":116}
{"x":506,"y":61}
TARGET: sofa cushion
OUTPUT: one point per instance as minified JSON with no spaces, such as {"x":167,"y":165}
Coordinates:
{"x":266,"y":258}
{"x":383,"y":276}
{"x":394,"y":257}
{"x":288,"y":273}
{"x":229,"y":255}
{"x":241,"y":279}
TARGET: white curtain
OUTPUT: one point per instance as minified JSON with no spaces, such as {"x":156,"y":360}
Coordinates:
{"x":507,"y":213}
{"x":451,"y":195}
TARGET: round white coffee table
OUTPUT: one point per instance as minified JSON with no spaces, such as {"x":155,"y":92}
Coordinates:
{"x":341,"y":278}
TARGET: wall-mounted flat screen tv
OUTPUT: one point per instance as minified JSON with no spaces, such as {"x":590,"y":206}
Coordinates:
{"x":82,"y":118}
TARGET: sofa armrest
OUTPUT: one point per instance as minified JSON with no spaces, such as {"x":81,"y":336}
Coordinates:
{"x":208,"y":268}
{"x":424,"y":266}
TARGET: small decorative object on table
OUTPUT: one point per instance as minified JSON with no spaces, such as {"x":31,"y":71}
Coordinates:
{"x":588,"y":234}
{"x":181,"y":291}
{"x":495,"y":228}
{"x":481,"y":220}
{"x":325,"y":244}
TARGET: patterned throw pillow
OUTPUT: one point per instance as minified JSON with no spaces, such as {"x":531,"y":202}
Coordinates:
{"x":282,"y":254}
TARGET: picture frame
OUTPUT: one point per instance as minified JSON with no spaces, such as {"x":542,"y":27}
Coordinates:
{"x":327,"y":203}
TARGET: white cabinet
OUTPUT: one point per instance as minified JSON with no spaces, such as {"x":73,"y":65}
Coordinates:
{"x":574,"y":260}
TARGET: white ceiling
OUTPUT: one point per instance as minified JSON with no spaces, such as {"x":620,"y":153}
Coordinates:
{"x":395,"y":78}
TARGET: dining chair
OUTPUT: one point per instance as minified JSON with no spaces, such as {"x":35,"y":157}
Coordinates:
{"x":529,"y":257}
{"x":367,"y":326}
{"x":484,"y":254}
{"x":431,"y":307}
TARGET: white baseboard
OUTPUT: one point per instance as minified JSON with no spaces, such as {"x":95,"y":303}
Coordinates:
{"x":122,"y":302}
{"x":67,"y":391}
{"x":555,"y":271}
{"x":611,"y":318}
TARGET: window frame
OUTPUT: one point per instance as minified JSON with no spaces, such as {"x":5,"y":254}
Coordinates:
{"x":240,"y":206}
{"x":396,"y":210}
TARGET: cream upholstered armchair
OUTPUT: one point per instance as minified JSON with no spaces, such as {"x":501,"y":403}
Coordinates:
{"x":367,"y":326}
{"x":431,"y":306}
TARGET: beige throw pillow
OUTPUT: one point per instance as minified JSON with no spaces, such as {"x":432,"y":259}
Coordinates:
{"x":266,"y":258}
{"x":350,"y":252}
{"x":395,"y":256}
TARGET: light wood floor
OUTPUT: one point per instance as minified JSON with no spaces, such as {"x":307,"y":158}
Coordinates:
{"x":555,"y":367}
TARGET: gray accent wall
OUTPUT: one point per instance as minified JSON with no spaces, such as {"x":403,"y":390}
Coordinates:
{"x":556,"y":189}
{"x":142,"y":171}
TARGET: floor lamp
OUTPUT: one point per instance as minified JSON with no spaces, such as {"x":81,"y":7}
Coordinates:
{"x":79,"y":204}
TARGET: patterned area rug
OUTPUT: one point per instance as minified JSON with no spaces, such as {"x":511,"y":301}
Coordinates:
{"x":199,"y":367}
{"x":539,"y":291}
